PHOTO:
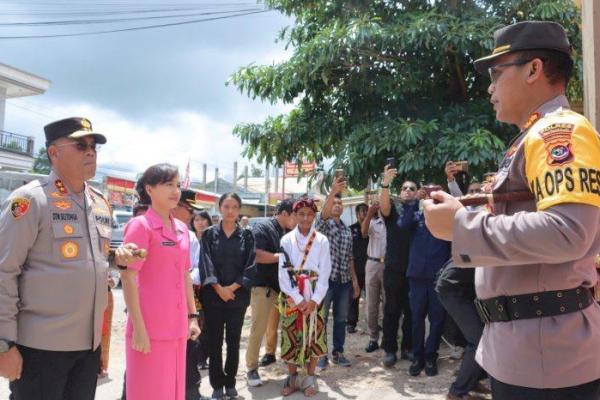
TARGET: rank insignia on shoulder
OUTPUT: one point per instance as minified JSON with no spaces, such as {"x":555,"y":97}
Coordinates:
{"x":69,"y":249}
{"x":60,"y":186}
{"x":533,"y":118}
{"x":63,"y":205}
{"x":68,"y":229}
{"x":19,"y":207}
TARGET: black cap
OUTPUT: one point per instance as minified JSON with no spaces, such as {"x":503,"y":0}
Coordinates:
{"x":527,"y":35}
{"x":189,"y":197}
{"x":73,"y":128}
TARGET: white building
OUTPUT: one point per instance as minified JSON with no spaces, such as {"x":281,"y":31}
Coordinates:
{"x":16,"y":150}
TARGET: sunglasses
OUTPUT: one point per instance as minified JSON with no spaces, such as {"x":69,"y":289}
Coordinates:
{"x":495,"y":72}
{"x":411,"y":188}
{"x":82,"y":146}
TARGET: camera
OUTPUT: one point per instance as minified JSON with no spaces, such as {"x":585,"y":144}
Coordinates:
{"x":462,"y":165}
{"x":391,"y":161}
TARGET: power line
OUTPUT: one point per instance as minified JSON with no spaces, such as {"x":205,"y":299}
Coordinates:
{"x":116,"y":20}
{"x":137,"y":28}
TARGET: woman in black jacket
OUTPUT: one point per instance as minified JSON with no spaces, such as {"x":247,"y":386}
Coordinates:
{"x":228,"y":270}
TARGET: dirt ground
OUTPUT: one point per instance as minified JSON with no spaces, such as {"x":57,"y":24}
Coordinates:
{"x":366,"y":379}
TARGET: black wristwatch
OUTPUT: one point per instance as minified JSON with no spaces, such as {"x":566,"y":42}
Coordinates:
{"x":6,"y":345}
{"x":384,"y":186}
{"x":122,"y":267}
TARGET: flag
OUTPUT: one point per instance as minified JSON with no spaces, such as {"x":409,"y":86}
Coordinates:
{"x":186,"y":181}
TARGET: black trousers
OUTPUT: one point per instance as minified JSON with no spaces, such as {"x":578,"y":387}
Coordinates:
{"x":395,"y":286}
{"x":461,"y":308}
{"x":223,"y":322}
{"x":57,"y":375}
{"x":352,"y":319}
{"x":192,"y":375}
{"x":587,"y":391}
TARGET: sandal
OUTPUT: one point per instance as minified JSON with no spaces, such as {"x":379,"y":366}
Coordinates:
{"x":290,"y":385}
{"x":310,"y":386}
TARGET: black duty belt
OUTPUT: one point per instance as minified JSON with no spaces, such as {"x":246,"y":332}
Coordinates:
{"x":379,"y":260}
{"x":533,"y":305}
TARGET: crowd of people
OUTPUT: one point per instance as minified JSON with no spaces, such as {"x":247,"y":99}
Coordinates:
{"x":513,"y":269}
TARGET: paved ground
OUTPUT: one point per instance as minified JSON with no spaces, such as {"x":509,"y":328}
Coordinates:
{"x":366,"y":379}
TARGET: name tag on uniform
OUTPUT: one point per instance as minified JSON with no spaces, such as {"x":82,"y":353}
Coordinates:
{"x":64,"y":217}
{"x":168,"y":244}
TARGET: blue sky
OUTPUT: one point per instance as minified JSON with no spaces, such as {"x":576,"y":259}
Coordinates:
{"x":159,"y":95}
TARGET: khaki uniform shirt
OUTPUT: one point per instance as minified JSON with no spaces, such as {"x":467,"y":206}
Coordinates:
{"x":53,"y":266}
{"x":540,"y":245}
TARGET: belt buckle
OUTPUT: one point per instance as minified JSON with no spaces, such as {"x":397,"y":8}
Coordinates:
{"x":381,"y":260}
{"x":483,"y":312}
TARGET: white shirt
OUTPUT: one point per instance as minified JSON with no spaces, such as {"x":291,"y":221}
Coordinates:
{"x":318,"y":260}
{"x":194,"y":258}
{"x":377,"y":238}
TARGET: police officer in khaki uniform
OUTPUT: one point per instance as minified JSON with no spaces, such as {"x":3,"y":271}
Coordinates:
{"x":54,"y":242}
{"x":535,"y":257}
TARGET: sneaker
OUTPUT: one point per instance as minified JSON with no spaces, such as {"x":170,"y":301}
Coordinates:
{"x":351,"y":329}
{"x":339,"y":359}
{"x":322,"y":364}
{"x":231,"y":393}
{"x":416,"y":367}
{"x":389,"y":360}
{"x":267,"y":359}
{"x":218,"y":394}
{"x":253,"y":378}
{"x":372,"y":346}
{"x":431,"y":368}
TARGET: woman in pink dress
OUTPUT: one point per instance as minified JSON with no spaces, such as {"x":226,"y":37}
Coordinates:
{"x":158,"y":292}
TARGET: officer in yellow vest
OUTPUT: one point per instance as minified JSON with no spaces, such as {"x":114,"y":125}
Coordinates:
{"x":536,"y":257}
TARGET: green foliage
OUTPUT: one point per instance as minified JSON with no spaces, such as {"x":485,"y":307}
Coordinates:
{"x":41,"y":165}
{"x":381,"y":78}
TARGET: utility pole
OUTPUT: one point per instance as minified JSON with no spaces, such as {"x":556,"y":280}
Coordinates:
{"x":204,"y":176}
{"x":217,"y":180}
{"x":246,"y":178}
{"x":266,"y":188}
{"x":235,"y":170}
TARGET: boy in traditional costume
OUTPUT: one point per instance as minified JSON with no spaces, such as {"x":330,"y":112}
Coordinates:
{"x":304,"y":269}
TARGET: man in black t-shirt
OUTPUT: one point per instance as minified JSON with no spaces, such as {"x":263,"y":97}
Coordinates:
{"x":265,"y":315}
{"x":395,"y":284}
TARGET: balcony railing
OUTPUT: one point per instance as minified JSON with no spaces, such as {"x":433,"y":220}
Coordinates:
{"x":17,"y":143}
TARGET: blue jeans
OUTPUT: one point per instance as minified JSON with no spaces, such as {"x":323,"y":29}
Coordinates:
{"x":339,"y":295}
{"x":424,"y":302}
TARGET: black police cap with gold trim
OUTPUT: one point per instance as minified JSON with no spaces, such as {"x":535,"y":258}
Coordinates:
{"x":189,"y":197}
{"x":527,"y":35}
{"x":73,"y":128}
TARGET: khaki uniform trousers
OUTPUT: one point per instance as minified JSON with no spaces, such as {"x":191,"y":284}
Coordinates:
{"x":265,"y":321}
{"x":374,"y":288}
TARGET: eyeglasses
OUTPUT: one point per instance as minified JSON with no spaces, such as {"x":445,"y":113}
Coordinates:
{"x":411,"y":188}
{"x":495,"y":72}
{"x":82,"y":146}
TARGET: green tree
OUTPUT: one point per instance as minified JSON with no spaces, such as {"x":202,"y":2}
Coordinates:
{"x":41,"y":165}
{"x":376,"y":79}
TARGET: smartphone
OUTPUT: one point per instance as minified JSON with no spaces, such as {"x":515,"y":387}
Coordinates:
{"x":340,"y":174}
{"x":431,"y":188}
{"x":391,"y":161}
{"x":462,"y":165}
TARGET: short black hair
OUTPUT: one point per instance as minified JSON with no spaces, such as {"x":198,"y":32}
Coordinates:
{"x":230,"y":195}
{"x":154,"y":175}
{"x":360,"y":206}
{"x":286,"y":205}
{"x":338,"y":196}
{"x":558,"y":66}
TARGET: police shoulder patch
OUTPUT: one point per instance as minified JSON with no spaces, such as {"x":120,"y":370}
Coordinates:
{"x":19,"y":206}
{"x":557,"y":139}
